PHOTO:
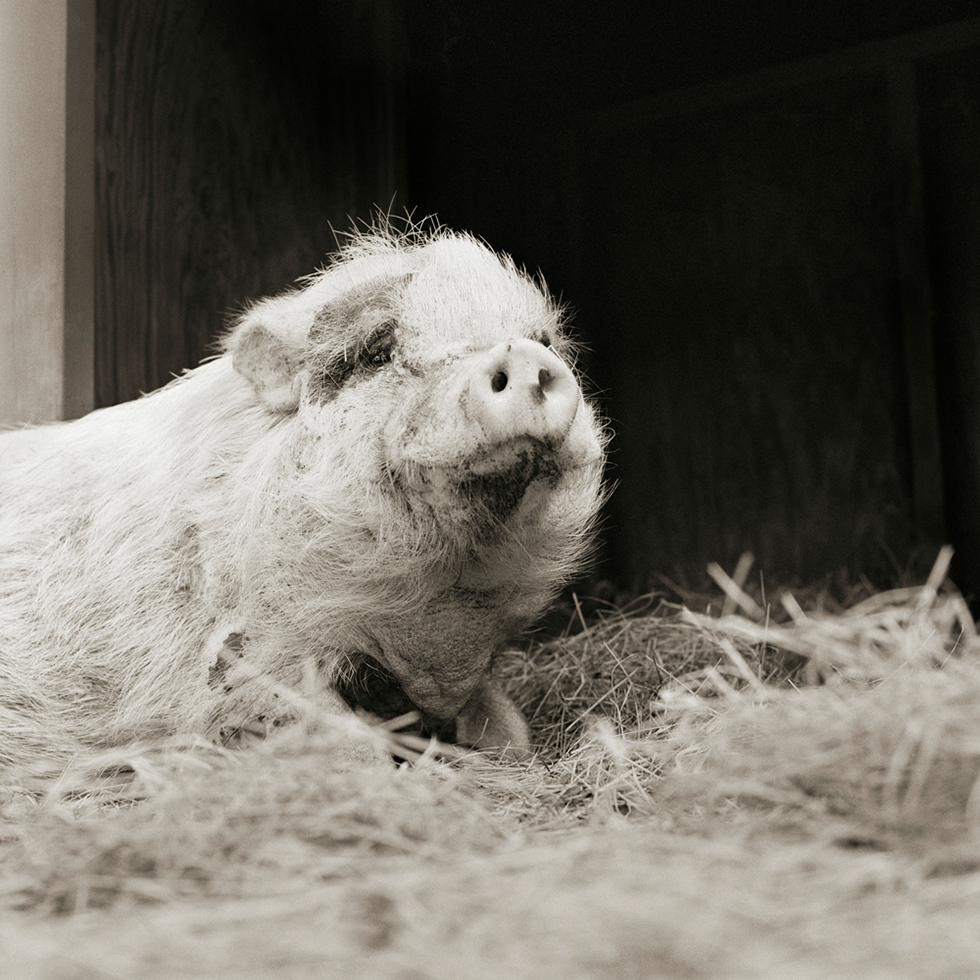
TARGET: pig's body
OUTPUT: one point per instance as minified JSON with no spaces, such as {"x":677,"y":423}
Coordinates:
{"x":347,"y":481}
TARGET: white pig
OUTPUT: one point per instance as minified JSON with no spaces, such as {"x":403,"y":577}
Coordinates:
{"x":393,"y":464}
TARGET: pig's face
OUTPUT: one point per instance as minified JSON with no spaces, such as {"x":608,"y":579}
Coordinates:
{"x":429,"y":387}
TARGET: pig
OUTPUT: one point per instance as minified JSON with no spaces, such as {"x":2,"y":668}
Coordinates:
{"x":391,"y":466}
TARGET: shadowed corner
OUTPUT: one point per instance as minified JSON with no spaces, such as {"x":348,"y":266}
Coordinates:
{"x":374,"y":689}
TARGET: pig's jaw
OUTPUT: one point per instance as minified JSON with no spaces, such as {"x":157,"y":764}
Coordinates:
{"x":487,"y":488}
{"x":440,"y":698}
{"x":441,"y":651}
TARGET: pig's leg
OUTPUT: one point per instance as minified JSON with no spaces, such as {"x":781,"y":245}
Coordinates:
{"x":256,"y":705}
{"x":490,"y":720}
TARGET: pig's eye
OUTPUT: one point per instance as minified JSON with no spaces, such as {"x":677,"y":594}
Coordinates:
{"x":334,"y":372}
{"x":376,"y":352}
{"x":546,"y":340}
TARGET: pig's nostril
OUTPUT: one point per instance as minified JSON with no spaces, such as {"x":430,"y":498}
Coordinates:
{"x":519,"y":390}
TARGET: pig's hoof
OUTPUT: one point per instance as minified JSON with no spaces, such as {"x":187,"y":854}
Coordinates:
{"x":491,"y":721}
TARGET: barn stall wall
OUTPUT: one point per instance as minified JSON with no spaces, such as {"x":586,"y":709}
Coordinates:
{"x":746,"y":208}
{"x":232,"y":138}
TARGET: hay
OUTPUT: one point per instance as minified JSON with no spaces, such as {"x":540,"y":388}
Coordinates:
{"x":616,"y":668}
{"x":236,"y":823}
{"x":872,"y":711}
{"x":797,"y":781}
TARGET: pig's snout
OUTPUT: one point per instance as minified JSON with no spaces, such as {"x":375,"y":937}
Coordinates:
{"x":522,"y":389}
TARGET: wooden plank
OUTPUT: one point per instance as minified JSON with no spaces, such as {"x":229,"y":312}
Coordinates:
{"x":743,"y":299}
{"x":78,"y":378}
{"x":46,"y":208}
{"x":915,"y":302}
{"x":949,"y":121}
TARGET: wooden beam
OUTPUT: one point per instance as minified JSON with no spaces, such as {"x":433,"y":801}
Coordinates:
{"x":867,"y":57}
{"x":47,"y":202}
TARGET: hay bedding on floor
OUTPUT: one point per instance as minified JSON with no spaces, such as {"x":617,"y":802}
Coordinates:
{"x":767,"y":788}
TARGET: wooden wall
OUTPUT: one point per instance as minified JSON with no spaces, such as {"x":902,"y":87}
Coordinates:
{"x":232,"y":137}
{"x":756,"y":365}
{"x":949,"y":96}
{"x":749,"y":208}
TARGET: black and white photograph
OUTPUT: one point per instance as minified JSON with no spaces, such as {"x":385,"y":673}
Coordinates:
{"x":489,"y":490}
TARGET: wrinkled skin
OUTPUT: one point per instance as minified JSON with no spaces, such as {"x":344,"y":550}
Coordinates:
{"x":393,"y":466}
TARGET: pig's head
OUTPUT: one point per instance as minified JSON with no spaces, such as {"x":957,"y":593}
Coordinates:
{"x":448,"y":464}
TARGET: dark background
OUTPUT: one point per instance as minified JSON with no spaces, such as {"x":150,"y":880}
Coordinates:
{"x":765,"y":215}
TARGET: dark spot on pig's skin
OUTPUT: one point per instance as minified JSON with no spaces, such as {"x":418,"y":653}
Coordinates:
{"x":500,"y":493}
{"x":353,"y":336}
{"x":351,"y":365}
{"x":216,"y":677}
{"x":216,"y":674}
{"x":188,"y":573}
{"x":323,"y":389}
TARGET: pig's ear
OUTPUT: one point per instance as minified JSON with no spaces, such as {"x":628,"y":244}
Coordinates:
{"x":270,"y":363}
